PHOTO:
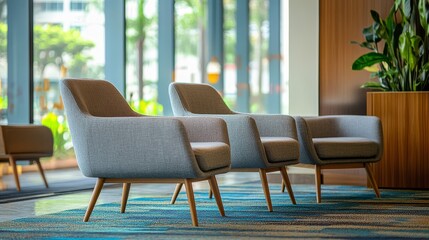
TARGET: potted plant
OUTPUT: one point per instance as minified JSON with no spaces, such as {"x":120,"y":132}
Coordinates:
{"x":399,"y":63}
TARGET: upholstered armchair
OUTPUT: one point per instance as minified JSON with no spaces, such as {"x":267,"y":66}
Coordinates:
{"x":25,"y":143}
{"x":266,"y":143}
{"x":117,"y":145}
{"x":335,"y":142}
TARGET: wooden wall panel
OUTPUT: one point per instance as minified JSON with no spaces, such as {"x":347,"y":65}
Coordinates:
{"x":342,"y":21}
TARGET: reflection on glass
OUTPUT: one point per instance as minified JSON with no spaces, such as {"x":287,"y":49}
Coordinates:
{"x":68,"y":42}
{"x":3,"y":62}
{"x":142,"y":56}
{"x":230,"y":69}
{"x":190,"y":38}
{"x":259,"y":35}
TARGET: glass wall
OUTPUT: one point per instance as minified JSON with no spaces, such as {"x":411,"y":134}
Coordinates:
{"x":190,"y":40}
{"x":142,"y":56}
{"x":3,"y":62}
{"x":259,"y":36}
{"x":230,"y":39}
{"x":68,"y":42}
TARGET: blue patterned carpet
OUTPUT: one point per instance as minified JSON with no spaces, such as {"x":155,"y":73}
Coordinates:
{"x":346,"y":212}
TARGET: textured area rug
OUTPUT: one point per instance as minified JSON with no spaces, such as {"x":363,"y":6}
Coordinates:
{"x":345,"y":212}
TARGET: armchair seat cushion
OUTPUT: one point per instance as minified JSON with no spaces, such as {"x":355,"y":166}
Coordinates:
{"x":280,"y":149}
{"x":345,"y":147}
{"x":211,"y":155}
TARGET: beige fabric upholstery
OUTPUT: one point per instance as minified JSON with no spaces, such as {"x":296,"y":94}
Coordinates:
{"x":280,"y":149}
{"x":26,"y":139}
{"x":211,"y":155}
{"x":345,"y":147}
{"x":191,"y":95}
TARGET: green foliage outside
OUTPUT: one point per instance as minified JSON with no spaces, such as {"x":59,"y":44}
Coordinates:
{"x":3,"y":102}
{"x":151,"y":107}
{"x":403,"y":63}
{"x":52,"y":45}
{"x":60,"y":132}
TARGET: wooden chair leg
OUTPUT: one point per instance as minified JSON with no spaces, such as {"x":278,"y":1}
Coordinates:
{"x":287,"y":183}
{"x":210,"y":193}
{"x":176,"y":193}
{"x":39,"y":166}
{"x":283,"y":186}
{"x":94,"y":197}
{"x":372,"y":179}
{"x":264,"y":181}
{"x":318,"y":179}
{"x":15,"y":173}
{"x":191,"y":201}
{"x":125,"y":193}
{"x":215,"y":189}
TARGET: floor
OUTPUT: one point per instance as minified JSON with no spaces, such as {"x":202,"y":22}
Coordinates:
{"x":57,"y":203}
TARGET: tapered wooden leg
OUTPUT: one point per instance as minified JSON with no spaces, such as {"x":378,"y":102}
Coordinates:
{"x":215,"y":189}
{"x":283,"y":186}
{"x":210,"y":193}
{"x":176,"y":193}
{"x":15,"y":173}
{"x":94,"y":197}
{"x":191,"y":201}
{"x":372,"y":179}
{"x":318,"y":179}
{"x":39,"y":165}
{"x":264,"y":181}
{"x":125,"y":193}
{"x":287,"y":183}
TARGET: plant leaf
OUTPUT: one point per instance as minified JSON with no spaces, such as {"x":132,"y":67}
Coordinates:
{"x":368,"y":60}
{"x":373,"y":85}
{"x":397,"y":3}
{"x":409,"y":48}
{"x":406,"y":8}
{"x":423,"y":12}
{"x":370,"y":33}
{"x":375,"y":16}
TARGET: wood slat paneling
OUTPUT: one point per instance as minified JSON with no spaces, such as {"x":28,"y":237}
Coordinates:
{"x":342,"y":21}
{"x":405,"y":119}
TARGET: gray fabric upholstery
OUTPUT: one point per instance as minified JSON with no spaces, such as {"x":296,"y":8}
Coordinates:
{"x":211,"y":155}
{"x":112,"y":141}
{"x":320,"y":129}
{"x":345,"y":147}
{"x":281,"y":149}
{"x":244,"y":130}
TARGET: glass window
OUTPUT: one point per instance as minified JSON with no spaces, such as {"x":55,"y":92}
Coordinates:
{"x":142,"y":56}
{"x":3,"y":62}
{"x":78,"y":5}
{"x":190,"y":40}
{"x":60,"y":51}
{"x":259,"y":72}
{"x":49,"y":6}
{"x":230,"y":39}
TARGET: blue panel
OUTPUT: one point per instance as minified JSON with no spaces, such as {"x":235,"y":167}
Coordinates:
{"x":115,"y":43}
{"x":215,"y":36}
{"x":20,"y":65}
{"x":165,"y":52}
{"x":242,"y":53}
{"x":274,"y":97}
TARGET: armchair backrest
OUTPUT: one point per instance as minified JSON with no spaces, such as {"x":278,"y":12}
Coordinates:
{"x":98,"y":98}
{"x":188,"y":98}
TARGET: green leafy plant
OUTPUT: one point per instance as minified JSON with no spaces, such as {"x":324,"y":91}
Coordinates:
{"x":151,"y":107}
{"x":60,"y":132}
{"x":403,"y":63}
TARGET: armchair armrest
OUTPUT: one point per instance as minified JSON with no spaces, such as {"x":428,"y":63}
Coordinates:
{"x":307,"y":152}
{"x":275,"y":125}
{"x":245,"y":141}
{"x":205,"y":129}
{"x":150,"y":147}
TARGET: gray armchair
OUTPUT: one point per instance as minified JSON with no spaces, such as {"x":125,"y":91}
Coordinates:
{"x":117,"y":145}
{"x":332,"y":142}
{"x":264,"y":142}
